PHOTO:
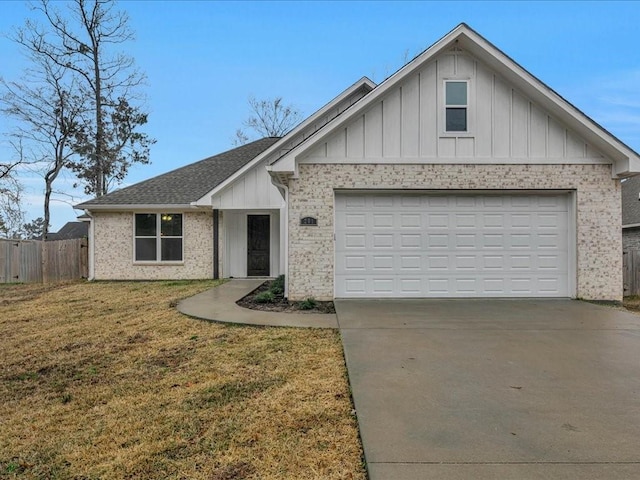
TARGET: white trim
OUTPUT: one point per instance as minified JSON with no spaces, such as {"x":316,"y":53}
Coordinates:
{"x":92,"y":246}
{"x":363,"y":82}
{"x":458,"y":161}
{"x":149,"y":208}
{"x":446,"y":106}
{"x":631,"y":225}
{"x":251,"y":207}
{"x":571,"y":204}
{"x":459,"y":191}
{"x":236,"y":237}
{"x":284,"y":234}
{"x":273,"y":262}
{"x":158,"y":238}
{"x":572,"y":253}
{"x":626,"y":161}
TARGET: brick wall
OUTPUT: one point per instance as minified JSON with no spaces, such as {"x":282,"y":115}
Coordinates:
{"x":114,"y":249}
{"x":599,"y":246}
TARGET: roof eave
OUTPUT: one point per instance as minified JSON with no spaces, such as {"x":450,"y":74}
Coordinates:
{"x":626,"y":160}
{"x":365,"y":82}
{"x":282,"y":164}
{"x":136,"y":207}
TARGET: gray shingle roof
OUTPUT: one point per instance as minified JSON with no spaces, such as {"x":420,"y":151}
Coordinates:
{"x":71,"y":230}
{"x":186,"y":184}
{"x":631,"y":201}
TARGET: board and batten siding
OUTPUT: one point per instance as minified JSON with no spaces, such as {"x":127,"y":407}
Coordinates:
{"x":407,"y":122}
{"x":253,"y":190}
{"x":235,"y":240}
{"x":291,"y":141}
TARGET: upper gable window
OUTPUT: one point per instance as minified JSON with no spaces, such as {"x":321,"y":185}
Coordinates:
{"x":456,"y":105}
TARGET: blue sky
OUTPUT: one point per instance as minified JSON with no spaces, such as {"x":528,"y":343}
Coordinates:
{"x":203,"y":60}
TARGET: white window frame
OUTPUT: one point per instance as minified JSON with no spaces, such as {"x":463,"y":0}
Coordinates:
{"x":467,"y":106}
{"x":158,"y":237}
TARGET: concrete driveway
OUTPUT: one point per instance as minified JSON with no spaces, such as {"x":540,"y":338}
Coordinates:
{"x":487,"y":389}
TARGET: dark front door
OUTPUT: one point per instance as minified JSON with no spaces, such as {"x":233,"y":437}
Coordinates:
{"x":258,"y":245}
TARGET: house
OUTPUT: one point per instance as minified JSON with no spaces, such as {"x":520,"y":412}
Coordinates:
{"x":461,"y":175}
{"x":70,"y":230}
{"x":631,"y":213}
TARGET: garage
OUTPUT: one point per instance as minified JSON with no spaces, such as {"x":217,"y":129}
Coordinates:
{"x":435,"y":244}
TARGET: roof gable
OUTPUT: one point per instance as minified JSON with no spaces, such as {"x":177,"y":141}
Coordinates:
{"x":70,"y":230}
{"x":581,"y":134}
{"x":631,"y":201}
{"x":407,"y":123}
{"x":305,"y":130}
{"x":184,"y":185}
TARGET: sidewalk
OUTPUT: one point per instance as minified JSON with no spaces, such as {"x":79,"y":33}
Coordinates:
{"x":219,"y":305}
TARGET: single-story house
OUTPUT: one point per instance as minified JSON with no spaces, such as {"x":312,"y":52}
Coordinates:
{"x":71,"y":230}
{"x":461,"y":175}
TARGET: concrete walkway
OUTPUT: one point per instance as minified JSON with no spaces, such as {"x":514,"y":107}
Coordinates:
{"x":219,"y":304}
{"x":486,"y":389}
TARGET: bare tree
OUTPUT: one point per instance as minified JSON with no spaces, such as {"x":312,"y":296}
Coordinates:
{"x":79,"y":41}
{"x":9,"y":165}
{"x":268,"y":118}
{"x":11,"y":213}
{"x":48,"y":110}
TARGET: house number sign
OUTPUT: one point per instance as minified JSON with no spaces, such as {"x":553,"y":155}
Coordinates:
{"x":309,"y":221}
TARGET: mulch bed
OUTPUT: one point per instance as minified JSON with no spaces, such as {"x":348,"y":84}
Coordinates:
{"x":281,"y":304}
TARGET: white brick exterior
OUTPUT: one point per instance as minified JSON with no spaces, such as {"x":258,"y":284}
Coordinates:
{"x":598,"y":215}
{"x":113,"y":237}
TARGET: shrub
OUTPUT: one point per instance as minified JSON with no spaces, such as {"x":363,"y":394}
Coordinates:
{"x":308,"y":304}
{"x":277,"y":286}
{"x":265,"y":297}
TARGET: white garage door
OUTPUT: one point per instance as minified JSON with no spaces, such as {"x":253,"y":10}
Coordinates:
{"x":437,"y":245}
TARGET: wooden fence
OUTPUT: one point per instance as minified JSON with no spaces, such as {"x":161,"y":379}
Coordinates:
{"x":631,"y":272}
{"x":29,"y":261}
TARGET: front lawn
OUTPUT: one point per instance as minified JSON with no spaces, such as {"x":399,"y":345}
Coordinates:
{"x":108,"y":380}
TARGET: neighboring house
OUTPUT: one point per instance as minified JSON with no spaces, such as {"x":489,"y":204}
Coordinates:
{"x":70,"y":230}
{"x":631,"y":214}
{"x":461,"y":175}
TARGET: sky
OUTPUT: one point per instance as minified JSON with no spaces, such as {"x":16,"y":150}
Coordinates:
{"x":203,"y":59}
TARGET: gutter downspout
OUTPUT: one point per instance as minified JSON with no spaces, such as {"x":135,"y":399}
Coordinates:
{"x":92,"y":246}
{"x":285,"y":190}
{"x":216,"y":244}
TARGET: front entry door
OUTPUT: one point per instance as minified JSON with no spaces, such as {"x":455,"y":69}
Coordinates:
{"x":258,"y":237}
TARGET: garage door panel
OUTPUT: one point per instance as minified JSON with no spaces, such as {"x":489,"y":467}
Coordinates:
{"x":494,"y":287}
{"x":492,"y":221}
{"x":350,"y":263}
{"x":465,"y":221}
{"x":437,"y":262}
{"x":354,"y":220}
{"x":475,"y":262}
{"x":421,"y":245}
{"x":410,"y":221}
{"x":493,"y":241}
{"x":383,"y":220}
{"x":437,"y":220}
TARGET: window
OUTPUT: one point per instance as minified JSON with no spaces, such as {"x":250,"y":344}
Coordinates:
{"x":158,"y":237}
{"x":456,"y":106}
